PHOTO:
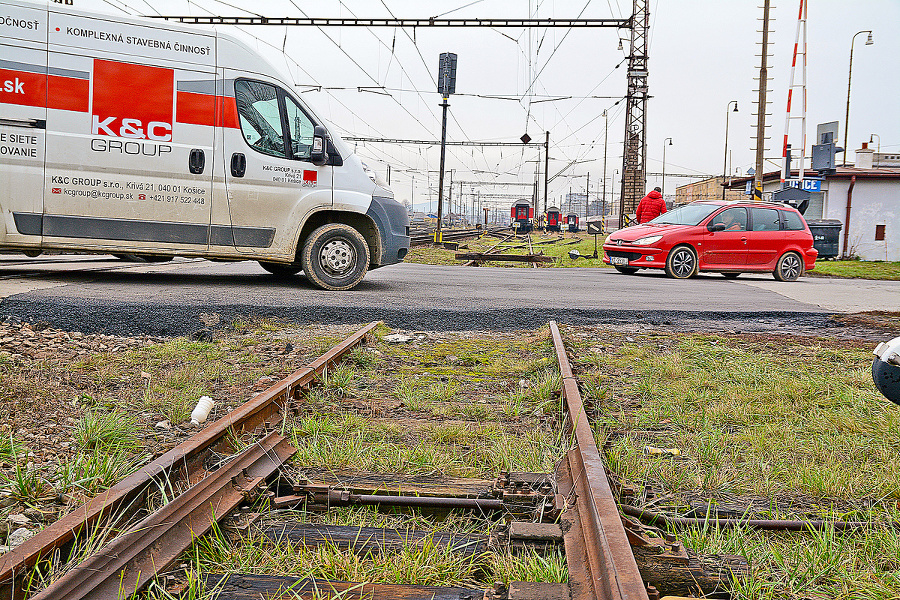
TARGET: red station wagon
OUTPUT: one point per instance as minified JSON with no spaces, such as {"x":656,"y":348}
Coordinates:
{"x":725,"y":237}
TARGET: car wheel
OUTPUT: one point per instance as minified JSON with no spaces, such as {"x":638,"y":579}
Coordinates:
{"x":280,"y":269}
{"x":789,"y":267}
{"x":681,"y":262}
{"x":731,"y":275}
{"x":627,"y":270}
{"x":335,"y":257}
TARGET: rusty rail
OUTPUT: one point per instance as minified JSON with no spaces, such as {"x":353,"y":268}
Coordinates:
{"x":599,"y":555}
{"x":127,"y":563}
{"x":177,"y":462}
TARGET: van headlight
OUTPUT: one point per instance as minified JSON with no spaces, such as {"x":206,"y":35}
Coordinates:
{"x":646,"y":241}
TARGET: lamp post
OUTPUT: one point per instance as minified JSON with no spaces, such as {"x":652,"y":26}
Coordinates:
{"x":875,"y":135}
{"x":663,"y":185}
{"x":725,"y":165}
{"x":869,"y":42}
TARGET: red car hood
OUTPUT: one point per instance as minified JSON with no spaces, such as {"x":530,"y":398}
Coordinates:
{"x":630,"y":234}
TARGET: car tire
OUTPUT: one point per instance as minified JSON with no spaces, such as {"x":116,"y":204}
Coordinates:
{"x":626,"y":270}
{"x":335,"y":257}
{"x":280,"y":269}
{"x":730,"y":275}
{"x":681,"y":262}
{"x":789,"y":267}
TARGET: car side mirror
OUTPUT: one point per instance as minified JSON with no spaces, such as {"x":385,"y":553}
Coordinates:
{"x":716,"y":226}
{"x":318,"y":154}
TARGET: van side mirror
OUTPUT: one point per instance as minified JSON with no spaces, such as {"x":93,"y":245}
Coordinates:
{"x":318,"y":154}
{"x":716,"y":226}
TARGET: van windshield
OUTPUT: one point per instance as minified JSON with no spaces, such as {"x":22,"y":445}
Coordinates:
{"x":689,"y":214}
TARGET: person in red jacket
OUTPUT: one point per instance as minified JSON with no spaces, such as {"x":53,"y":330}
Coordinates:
{"x":651,"y":206}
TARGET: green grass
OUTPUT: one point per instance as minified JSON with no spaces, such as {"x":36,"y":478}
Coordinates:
{"x":90,"y":473}
{"x":422,"y":563}
{"x":779,"y":419}
{"x":114,"y":430}
{"x":858,"y":269}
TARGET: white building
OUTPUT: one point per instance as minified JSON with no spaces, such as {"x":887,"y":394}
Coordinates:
{"x":868,"y":192}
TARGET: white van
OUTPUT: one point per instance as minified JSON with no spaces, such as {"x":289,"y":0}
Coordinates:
{"x":132,"y":136}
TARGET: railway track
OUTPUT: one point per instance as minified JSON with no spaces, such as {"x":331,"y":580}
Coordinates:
{"x":235,"y":474}
{"x":426,"y":237}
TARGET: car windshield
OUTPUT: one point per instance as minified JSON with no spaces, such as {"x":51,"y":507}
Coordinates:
{"x":689,"y":214}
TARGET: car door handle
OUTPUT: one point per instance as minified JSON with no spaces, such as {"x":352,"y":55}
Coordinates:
{"x":238,"y":164}
{"x":196,"y":161}
{"x":743,"y":239}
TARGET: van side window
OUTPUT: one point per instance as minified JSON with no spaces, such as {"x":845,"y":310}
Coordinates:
{"x":301,"y":128}
{"x":260,"y":119}
{"x":792,"y":221}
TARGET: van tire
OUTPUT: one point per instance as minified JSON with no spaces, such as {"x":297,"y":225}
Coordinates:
{"x":335,"y":257}
{"x":280,"y":269}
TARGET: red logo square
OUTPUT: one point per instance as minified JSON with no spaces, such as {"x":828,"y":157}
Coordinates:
{"x":56,"y":191}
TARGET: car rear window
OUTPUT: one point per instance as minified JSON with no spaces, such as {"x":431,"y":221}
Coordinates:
{"x":792,"y":221}
{"x":689,"y":214}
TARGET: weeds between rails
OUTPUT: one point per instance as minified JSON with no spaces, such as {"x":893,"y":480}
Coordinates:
{"x":430,"y":421}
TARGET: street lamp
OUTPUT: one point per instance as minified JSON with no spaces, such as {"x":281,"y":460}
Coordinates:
{"x":869,"y":42}
{"x":725,"y":166}
{"x":663,"y":185}
{"x":879,"y":141}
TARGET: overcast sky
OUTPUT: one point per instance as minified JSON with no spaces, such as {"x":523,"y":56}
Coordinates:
{"x":703,"y":54}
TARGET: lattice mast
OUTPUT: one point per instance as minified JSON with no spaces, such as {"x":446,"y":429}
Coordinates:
{"x":799,"y":50}
{"x":634,"y":173}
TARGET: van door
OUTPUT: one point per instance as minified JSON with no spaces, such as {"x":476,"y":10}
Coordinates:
{"x":271,"y":184}
{"x":131,"y":168}
{"x":23,"y":118}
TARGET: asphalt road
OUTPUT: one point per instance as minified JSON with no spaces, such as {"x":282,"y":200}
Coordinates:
{"x":104,"y":294}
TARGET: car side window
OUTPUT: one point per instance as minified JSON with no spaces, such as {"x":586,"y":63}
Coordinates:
{"x":301,"y":128}
{"x":792,"y":221}
{"x":734,"y":219}
{"x":260,"y":117}
{"x":765,"y":219}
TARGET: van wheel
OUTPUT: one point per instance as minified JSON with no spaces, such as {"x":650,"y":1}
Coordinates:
{"x":280,"y":269}
{"x":335,"y":257}
{"x":681,"y":262}
{"x":789,"y":267}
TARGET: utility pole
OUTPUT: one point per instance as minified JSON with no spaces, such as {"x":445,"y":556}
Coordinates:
{"x":547,"y":163}
{"x":605,"y":140}
{"x":761,"y":106}
{"x":587,"y":196}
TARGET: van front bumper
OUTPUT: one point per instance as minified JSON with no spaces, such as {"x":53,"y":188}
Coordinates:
{"x":392,"y":221}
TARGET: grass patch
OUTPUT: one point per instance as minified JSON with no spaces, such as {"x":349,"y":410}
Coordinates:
{"x":91,"y":473}
{"x":761,"y":417}
{"x":114,"y":430}
{"x":858,"y":269}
